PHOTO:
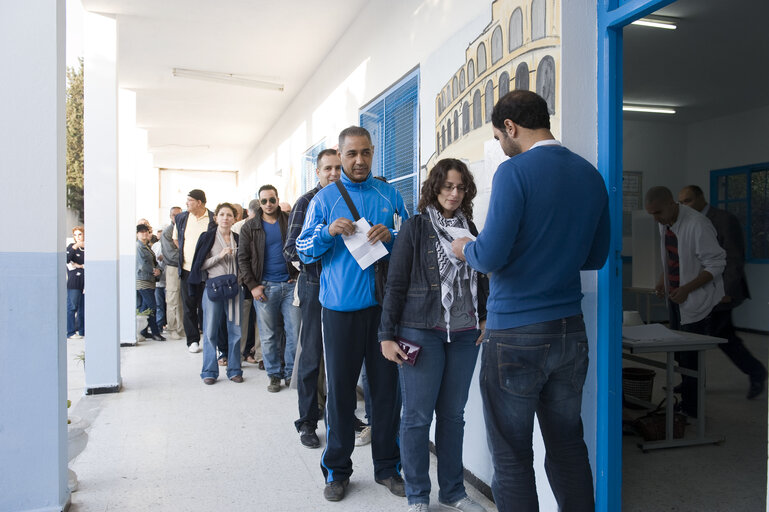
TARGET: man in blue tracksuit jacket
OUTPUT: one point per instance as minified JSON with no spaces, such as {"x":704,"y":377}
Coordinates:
{"x":351,"y":313}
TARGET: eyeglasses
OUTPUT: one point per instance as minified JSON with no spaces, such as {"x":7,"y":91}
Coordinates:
{"x":272,"y":200}
{"x":448,"y":187}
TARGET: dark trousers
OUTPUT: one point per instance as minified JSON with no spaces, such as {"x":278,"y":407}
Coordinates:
{"x":688,"y":359}
{"x":192,"y":294}
{"x":249,"y":330}
{"x":308,"y":365}
{"x":221,"y":343}
{"x":721,"y":326}
{"x":348,"y":337}
{"x":145,"y":299}
{"x":160,"y":302}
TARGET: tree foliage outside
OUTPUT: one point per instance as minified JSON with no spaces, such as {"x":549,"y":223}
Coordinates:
{"x":75,"y":139}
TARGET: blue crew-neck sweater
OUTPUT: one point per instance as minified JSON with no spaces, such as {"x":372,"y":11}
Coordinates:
{"x":548,"y":219}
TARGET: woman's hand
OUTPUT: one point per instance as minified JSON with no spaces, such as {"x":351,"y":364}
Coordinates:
{"x":227,"y":251}
{"x":155,"y":272}
{"x":393,"y":352}
{"x":482,"y":327}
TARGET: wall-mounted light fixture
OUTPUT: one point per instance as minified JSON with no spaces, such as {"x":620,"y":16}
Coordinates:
{"x":226,"y":78}
{"x":654,"y":21}
{"x":649,"y":109}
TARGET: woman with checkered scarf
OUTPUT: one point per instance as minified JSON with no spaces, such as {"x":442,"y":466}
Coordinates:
{"x":438,"y":303}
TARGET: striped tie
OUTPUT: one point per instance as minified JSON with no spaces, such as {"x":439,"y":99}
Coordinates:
{"x":671,"y":248}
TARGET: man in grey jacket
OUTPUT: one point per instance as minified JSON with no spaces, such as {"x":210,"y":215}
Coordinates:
{"x":174,"y":318}
{"x":729,"y":235}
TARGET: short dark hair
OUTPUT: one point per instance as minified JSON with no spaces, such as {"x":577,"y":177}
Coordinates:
{"x":436,"y":178}
{"x":253,"y":205}
{"x":697,"y":191}
{"x":267,"y":187}
{"x":171,"y":211}
{"x":353,"y":131}
{"x":225,"y":205}
{"x":524,"y":108}
{"x":142,"y":228}
{"x":331,"y":152}
{"x":658,"y":195}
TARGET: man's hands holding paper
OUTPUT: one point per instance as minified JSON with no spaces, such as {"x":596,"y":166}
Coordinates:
{"x":378,"y":233}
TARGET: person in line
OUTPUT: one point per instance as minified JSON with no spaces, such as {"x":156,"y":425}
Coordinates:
{"x":146,"y":271}
{"x":693,"y":264}
{"x":215,"y":256}
{"x":174,"y":319}
{"x":160,"y":284}
{"x":438,"y":302}
{"x":730,"y":238}
{"x":189,"y":225}
{"x":76,"y":285}
{"x":548,"y":220}
{"x":251,"y":345}
{"x":328,"y":169}
{"x":351,"y":314}
{"x":271,"y":281}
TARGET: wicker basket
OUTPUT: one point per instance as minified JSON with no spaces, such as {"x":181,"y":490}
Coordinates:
{"x":638,"y":383}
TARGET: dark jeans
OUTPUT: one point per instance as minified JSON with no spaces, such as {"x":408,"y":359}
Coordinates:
{"x":145,"y":299}
{"x":75,"y":312}
{"x":348,"y":337}
{"x":308,"y":365}
{"x":160,"y":301}
{"x":192,"y":294}
{"x":538,"y":368}
{"x":439,"y":382}
{"x":688,"y":359}
{"x":250,"y":328}
{"x":721,"y":326}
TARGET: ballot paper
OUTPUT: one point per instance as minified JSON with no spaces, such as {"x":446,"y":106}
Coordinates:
{"x":456,"y":232}
{"x":649,"y":332}
{"x":360,"y":248}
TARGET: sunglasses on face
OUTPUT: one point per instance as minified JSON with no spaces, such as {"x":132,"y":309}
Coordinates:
{"x":271,"y":200}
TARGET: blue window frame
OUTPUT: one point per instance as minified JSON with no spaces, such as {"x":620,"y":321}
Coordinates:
{"x":392,"y":118}
{"x":744,"y":191}
{"x":309,"y":178}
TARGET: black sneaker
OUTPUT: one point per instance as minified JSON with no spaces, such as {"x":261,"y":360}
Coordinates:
{"x":334,"y":491}
{"x":274,"y":385}
{"x":395,"y":484}
{"x":288,"y":382}
{"x":308,"y":437}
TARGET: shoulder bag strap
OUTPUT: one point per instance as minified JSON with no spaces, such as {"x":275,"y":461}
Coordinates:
{"x":346,"y":196}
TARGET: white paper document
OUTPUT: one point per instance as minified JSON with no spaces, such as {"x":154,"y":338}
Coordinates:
{"x":360,"y":248}
{"x":649,"y":332}
{"x":455,"y":233}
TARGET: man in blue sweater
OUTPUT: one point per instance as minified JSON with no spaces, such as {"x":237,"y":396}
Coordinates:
{"x":548,"y":220}
{"x":350,"y":314}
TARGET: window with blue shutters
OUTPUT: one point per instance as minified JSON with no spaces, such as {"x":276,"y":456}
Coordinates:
{"x":393,"y":121}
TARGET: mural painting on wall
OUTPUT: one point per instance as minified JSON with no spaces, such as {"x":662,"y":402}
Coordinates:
{"x":519,"y":49}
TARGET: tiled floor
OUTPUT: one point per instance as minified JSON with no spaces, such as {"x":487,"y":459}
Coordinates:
{"x":167,"y":442}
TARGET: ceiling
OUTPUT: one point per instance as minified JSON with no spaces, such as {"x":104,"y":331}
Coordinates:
{"x":713,"y":64}
{"x":195,"y":124}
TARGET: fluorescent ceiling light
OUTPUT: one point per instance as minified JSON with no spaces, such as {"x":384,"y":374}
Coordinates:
{"x":226,"y":78}
{"x":651,"y":109}
{"x":664,"y":22}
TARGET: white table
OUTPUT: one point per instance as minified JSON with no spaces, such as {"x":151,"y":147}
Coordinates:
{"x":686,"y":342}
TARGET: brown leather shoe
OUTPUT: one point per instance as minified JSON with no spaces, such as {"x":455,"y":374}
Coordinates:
{"x":209,"y":380}
{"x":237,"y":378}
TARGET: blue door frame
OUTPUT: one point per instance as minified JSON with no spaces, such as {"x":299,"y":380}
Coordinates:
{"x":613,"y":15}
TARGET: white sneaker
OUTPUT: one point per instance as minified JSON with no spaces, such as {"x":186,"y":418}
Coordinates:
{"x":363,"y":437}
{"x":465,"y":505}
{"x":419,"y":507}
{"x":194,"y":348}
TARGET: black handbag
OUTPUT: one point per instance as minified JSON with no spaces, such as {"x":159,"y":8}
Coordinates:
{"x":382,"y":266}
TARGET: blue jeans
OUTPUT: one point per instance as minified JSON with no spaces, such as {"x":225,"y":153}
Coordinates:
{"x":214,"y":312}
{"x":439,"y":382}
{"x":145,"y":299}
{"x":75,"y":312}
{"x":538,"y":368}
{"x":280,"y":299}
{"x":160,"y":302}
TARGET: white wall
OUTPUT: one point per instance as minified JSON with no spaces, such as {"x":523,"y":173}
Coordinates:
{"x":676,"y":155}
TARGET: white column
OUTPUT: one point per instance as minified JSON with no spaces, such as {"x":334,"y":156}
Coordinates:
{"x":127,"y":215}
{"x":33,"y":380}
{"x":102,"y":341}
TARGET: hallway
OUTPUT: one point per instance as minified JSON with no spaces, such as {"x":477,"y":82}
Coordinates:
{"x":167,"y":442}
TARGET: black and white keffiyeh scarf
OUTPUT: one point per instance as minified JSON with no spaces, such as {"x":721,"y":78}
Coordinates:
{"x":451,"y":268}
